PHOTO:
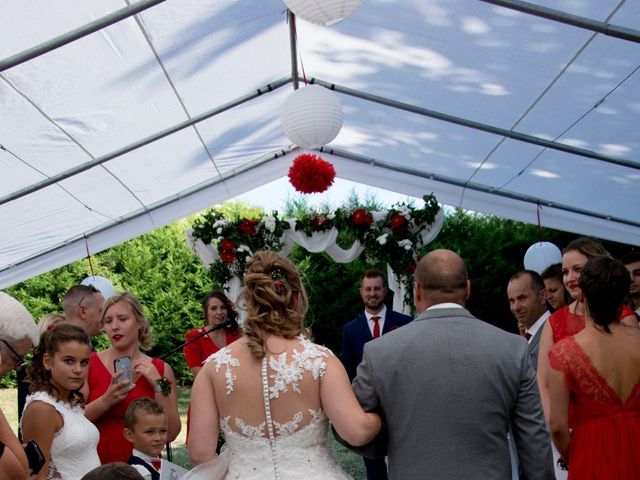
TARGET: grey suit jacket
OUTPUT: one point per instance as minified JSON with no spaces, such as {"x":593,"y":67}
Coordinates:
{"x":449,"y":386}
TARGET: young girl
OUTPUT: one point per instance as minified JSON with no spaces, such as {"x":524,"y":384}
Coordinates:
{"x":54,"y":414}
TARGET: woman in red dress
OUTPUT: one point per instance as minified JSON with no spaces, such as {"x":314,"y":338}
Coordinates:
{"x":109,"y":394}
{"x":216,"y":308}
{"x":569,"y":320}
{"x":597,"y":373}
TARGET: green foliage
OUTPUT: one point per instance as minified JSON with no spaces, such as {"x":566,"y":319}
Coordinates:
{"x":170,"y":280}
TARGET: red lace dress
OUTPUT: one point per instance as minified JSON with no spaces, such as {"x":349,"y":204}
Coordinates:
{"x":566,"y":324}
{"x":606,"y":431}
{"x":113,"y":447}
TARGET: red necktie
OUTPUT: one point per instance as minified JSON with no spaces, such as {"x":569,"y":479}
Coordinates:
{"x":376,"y":326}
{"x":156,"y":464}
{"x":526,"y":335}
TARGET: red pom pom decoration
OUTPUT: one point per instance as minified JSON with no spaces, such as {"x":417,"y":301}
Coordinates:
{"x":311,"y":174}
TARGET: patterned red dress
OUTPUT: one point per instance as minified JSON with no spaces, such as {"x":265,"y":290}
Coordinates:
{"x":197,"y":352}
{"x":606,"y":429}
{"x":113,"y":447}
{"x":566,"y":324}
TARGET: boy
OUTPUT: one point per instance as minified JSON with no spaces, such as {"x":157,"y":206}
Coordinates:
{"x":146,"y":426}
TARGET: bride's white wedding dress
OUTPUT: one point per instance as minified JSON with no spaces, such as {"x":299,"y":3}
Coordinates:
{"x":258,"y":446}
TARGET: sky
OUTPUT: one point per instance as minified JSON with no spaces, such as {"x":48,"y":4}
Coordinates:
{"x":274,"y":195}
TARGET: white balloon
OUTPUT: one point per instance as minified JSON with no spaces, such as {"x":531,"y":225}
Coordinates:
{"x":100,"y":283}
{"x":541,"y":255}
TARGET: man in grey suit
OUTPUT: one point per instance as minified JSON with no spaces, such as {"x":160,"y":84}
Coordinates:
{"x":449,"y":386}
{"x":527,"y":301}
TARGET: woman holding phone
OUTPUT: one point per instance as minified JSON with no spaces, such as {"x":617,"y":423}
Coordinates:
{"x":109,"y":392}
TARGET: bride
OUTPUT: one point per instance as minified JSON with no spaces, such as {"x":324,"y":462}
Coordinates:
{"x":273,"y":391}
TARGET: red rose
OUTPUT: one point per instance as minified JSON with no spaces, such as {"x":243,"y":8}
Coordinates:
{"x":228,"y":257}
{"x":398,"y":223}
{"x":368,"y":219}
{"x":226,"y":245}
{"x":361,"y":217}
{"x":319,"y":221}
{"x":248,"y":226}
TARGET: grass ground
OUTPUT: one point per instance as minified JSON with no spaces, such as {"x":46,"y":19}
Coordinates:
{"x":350,"y":462}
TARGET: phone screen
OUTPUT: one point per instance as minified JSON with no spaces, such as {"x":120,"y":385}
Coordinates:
{"x":123,"y":364}
{"x":34,"y":456}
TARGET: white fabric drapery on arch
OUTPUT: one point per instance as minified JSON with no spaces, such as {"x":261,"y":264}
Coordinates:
{"x":316,"y":243}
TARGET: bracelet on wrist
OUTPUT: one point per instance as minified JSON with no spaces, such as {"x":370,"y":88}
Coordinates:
{"x":163,"y":386}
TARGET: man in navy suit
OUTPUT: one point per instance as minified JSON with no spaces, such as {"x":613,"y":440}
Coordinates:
{"x":376,"y":320}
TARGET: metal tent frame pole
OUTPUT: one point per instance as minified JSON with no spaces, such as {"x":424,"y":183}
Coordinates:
{"x":77,"y":33}
{"x":523,"y":137}
{"x":604,"y":28}
{"x":141,"y":143}
{"x":370,"y":161}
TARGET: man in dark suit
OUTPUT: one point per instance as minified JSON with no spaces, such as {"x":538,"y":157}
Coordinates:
{"x":527,"y":301}
{"x":450,"y":386}
{"x":376,"y":320}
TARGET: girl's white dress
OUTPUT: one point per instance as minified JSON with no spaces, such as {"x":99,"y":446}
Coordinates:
{"x":74,"y":448}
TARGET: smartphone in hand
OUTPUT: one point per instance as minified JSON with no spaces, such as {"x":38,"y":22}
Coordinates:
{"x":123,"y":364}
{"x":34,"y":457}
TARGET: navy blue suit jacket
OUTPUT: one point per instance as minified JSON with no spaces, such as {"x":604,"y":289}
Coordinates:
{"x":356,"y":333}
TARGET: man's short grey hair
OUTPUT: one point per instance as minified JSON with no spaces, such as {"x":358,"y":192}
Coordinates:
{"x":16,"y":322}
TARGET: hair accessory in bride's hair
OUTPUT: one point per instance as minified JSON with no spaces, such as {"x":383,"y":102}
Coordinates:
{"x":279,"y":279}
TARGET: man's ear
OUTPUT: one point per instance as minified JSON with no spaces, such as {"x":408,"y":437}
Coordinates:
{"x":417,"y":293}
{"x":468,"y":290}
{"x":128,"y":434}
{"x":543,"y":296}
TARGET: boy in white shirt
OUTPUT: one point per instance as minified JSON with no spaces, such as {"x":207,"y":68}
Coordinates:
{"x":147,"y":427}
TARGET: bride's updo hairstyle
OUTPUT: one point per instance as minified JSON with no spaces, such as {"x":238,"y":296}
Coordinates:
{"x":605,"y":284}
{"x":274,"y":299}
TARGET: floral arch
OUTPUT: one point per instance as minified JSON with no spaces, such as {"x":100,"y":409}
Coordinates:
{"x":391,"y":236}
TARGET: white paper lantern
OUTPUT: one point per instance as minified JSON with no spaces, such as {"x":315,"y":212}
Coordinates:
{"x":323,"y":12}
{"x":101,"y":284}
{"x":311,"y":116}
{"x":541,"y":255}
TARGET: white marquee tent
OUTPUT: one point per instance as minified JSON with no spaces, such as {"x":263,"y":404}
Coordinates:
{"x":174,"y":106}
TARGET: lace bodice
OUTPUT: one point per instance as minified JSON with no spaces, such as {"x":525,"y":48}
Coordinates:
{"x":73,"y":451}
{"x":590,"y":391}
{"x":278,"y":430}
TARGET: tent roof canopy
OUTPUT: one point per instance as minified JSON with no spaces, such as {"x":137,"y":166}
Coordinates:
{"x":163,"y":113}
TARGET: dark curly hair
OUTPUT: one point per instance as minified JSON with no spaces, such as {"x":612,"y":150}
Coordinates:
{"x":604,"y":282}
{"x":275,"y":300}
{"x":39,"y":377}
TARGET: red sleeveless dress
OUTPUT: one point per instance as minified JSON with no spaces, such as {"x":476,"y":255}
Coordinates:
{"x":113,"y":447}
{"x":606,"y":430}
{"x":566,"y":324}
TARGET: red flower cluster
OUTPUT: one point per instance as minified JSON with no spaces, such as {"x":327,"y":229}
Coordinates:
{"x":398,"y":223}
{"x":249,"y":226}
{"x":361,"y":217}
{"x":226,"y":249}
{"x":311,"y":174}
{"x":319,"y":221}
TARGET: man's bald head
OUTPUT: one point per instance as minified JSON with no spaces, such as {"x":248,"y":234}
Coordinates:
{"x":441,"y":277}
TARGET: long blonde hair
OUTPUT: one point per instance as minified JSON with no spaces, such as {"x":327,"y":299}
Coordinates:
{"x":275,"y":300}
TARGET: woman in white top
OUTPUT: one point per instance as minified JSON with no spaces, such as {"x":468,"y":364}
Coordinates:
{"x":53,"y":414}
{"x":273,"y":391}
